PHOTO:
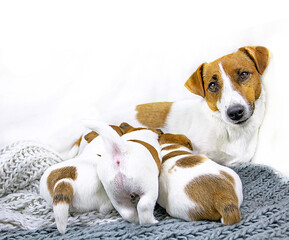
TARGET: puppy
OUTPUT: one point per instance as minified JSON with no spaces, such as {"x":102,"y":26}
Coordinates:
{"x":75,"y":183}
{"x":130,"y":167}
{"x":192,"y":187}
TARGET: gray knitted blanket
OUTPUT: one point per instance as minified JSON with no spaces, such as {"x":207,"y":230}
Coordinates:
{"x":25,"y":215}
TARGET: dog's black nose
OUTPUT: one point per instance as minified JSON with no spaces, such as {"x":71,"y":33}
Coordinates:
{"x":236,"y":112}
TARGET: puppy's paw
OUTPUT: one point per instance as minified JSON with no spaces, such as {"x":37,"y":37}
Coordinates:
{"x":105,"y":209}
{"x":148,"y":221}
{"x":155,"y":221}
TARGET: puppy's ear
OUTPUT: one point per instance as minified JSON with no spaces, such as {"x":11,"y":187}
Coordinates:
{"x":90,"y":136}
{"x":195,"y":83}
{"x":125,"y":127}
{"x":117,"y":129}
{"x":259,"y":55}
{"x":189,"y":145}
{"x":159,"y":131}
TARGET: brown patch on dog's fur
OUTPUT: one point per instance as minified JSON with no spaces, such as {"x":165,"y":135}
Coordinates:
{"x":215,"y":197}
{"x":171,"y":147}
{"x":190,"y":161}
{"x":180,"y":139}
{"x":152,"y":150}
{"x":125,"y":127}
{"x":211,"y":70}
{"x":153,"y":115}
{"x":128,"y":128}
{"x":228,"y":176}
{"x":78,"y":141}
{"x":136,"y":129}
{"x":58,"y":174}
{"x":63,"y":193}
{"x":174,"y":154}
{"x":90,"y":136}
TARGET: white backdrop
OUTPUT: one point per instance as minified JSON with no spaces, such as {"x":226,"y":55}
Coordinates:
{"x":66,"y":60}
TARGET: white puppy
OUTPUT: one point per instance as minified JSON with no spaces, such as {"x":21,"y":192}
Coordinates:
{"x":75,"y":183}
{"x":130,"y":167}
{"x":195,"y":188}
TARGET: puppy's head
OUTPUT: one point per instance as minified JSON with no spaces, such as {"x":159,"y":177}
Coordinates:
{"x":231,"y":84}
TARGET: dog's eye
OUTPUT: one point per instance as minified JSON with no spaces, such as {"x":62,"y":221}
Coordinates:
{"x":213,"y":87}
{"x":243,"y":76}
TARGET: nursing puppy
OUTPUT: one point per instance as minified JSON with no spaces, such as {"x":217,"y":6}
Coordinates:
{"x":74,"y":184}
{"x":130,"y":167}
{"x":192,"y":187}
{"x":223,"y":122}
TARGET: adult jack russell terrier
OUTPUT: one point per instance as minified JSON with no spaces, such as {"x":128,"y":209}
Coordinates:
{"x":223,"y":123}
{"x":192,"y":187}
{"x":75,"y":183}
{"x":130,"y":167}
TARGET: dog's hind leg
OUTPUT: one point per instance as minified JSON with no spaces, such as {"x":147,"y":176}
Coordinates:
{"x":145,"y":208}
{"x":126,"y":209}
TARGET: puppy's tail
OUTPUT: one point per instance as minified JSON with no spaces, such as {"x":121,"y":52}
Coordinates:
{"x":62,"y":197}
{"x":114,"y":144}
{"x":229,"y":211}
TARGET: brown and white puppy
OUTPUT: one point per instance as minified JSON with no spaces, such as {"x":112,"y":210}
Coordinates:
{"x":130,"y":167}
{"x":222,"y":123}
{"x":192,"y":187}
{"x":74,"y":184}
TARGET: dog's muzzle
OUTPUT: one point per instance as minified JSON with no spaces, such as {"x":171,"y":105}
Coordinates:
{"x":238,"y":114}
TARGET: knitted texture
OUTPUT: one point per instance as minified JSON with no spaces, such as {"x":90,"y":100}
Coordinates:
{"x":25,"y":215}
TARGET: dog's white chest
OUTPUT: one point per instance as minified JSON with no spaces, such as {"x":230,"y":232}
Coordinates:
{"x":230,"y":148}
{"x":223,"y":143}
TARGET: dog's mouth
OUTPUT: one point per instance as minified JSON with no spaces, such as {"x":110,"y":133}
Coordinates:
{"x":241,"y":122}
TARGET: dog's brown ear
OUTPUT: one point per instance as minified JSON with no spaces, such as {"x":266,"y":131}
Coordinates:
{"x":259,"y":55}
{"x":90,"y":136}
{"x":125,"y":127}
{"x":159,"y":131}
{"x":195,"y":83}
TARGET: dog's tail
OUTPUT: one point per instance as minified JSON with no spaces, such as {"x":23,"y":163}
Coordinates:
{"x":113,"y":143}
{"x":62,"y":197}
{"x":228,"y":209}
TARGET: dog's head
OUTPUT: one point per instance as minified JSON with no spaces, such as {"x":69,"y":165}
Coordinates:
{"x":231,"y":84}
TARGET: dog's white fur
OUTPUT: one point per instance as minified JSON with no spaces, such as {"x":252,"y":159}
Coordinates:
{"x":230,"y":97}
{"x":128,"y":169}
{"x":88,"y":191}
{"x":174,"y":179}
